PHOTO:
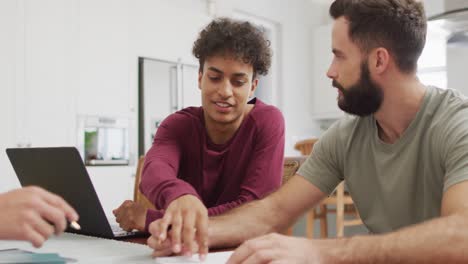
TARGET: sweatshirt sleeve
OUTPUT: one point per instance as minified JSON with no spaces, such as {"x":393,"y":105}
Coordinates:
{"x":265,"y":170}
{"x":159,"y":180}
{"x":152,"y":215}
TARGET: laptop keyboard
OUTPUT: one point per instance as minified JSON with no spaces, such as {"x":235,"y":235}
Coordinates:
{"x":116,"y":228}
{"x":119,"y":232}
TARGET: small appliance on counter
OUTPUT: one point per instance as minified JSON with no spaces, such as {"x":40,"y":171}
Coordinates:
{"x":103,"y":141}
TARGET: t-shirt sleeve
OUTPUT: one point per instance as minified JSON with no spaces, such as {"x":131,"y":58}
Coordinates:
{"x":322,"y":168}
{"x":265,"y":169}
{"x":456,"y":149}
{"x":159,"y":180}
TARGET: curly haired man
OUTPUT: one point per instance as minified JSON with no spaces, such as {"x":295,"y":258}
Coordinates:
{"x":207,"y":160}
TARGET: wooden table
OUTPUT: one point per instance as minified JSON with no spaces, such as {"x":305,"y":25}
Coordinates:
{"x":139,"y":240}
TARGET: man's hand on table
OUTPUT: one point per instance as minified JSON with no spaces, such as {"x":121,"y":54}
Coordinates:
{"x":131,"y":215}
{"x":187,"y":219}
{"x":275,"y":248}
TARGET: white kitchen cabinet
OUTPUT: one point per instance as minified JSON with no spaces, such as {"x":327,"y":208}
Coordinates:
{"x":50,"y":46}
{"x":104,"y":62}
{"x":8,"y":52}
{"x":324,"y":94}
{"x":46,"y":112}
{"x":35,"y":96}
{"x":47,"y":74}
{"x":66,"y":43}
{"x":35,"y":51}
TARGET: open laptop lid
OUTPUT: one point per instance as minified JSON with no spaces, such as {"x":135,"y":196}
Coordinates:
{"x":61,"y":171}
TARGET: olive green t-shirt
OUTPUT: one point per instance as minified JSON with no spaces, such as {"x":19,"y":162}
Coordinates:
{"x":399,"y":184}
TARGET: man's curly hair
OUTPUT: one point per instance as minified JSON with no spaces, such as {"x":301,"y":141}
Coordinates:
{"x":398,"y":25}
{"x":239,"y":39}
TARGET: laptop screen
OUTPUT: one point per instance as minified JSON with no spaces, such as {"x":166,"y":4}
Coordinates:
{"x":61,"y":171}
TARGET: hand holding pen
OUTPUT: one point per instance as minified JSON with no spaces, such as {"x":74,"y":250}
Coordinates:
{"x":33,"y":214}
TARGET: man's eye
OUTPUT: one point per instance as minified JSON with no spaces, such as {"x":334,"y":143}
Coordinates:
{"x":213,"y":78}
{"x":239,"y":83}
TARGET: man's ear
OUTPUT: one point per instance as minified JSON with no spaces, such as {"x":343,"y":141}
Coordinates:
{"x":379,"y":60}
{"x":253,"y":87}
{"x":200,"y":75}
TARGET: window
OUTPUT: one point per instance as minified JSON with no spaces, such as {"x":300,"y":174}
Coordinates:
{"x":432,"y":65}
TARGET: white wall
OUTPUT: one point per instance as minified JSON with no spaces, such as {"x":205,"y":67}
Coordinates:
{"x":64,"y":58}
{"x":433,"y":7}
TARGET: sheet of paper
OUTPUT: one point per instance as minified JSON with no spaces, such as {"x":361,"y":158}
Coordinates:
{"x":212,"y":258}
{"x":86,"y":249}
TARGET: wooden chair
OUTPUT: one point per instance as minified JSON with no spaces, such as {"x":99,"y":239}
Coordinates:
{"x":139,"y":197}
{"x":344,"y":206}
{"x":290,"y":167}
{"x":340,"y":198}
{"x":305,"y":146}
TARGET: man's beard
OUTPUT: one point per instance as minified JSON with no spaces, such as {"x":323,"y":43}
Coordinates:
{"x":363,"y":98}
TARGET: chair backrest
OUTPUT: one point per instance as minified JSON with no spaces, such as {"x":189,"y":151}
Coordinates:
{"x":139,"y":197}
{"x":290,"y":167}
{"x":305,"y":146}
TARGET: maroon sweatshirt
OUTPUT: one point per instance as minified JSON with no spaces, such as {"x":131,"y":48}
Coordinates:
{"x":183,"y":160}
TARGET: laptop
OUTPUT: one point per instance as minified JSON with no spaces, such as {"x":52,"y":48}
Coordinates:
{"x":60,"y":170}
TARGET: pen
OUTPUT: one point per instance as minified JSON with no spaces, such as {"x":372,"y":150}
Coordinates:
{"x":72,"y":224}
{"x":75,"y":225}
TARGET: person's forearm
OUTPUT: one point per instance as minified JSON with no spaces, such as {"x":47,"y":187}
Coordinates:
{"x":223,"y":208}
{"x":245,"y":222}
{"x":274,"y":213}
{"x":442,"y":240}
{"x":231,"y":229}
{"x":165,"y":188}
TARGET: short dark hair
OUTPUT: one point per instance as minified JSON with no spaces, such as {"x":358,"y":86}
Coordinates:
{"x":224,"y":36}
{"x":398,"y":25}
